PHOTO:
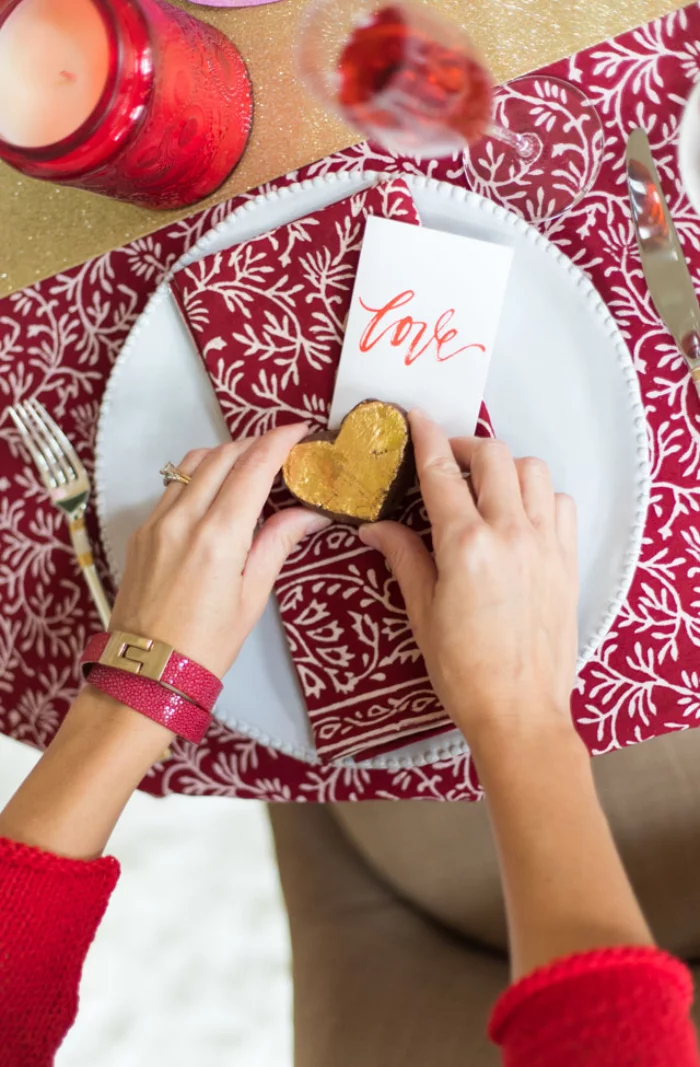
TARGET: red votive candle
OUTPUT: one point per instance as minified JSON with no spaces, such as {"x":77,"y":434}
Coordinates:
{"x":130,"y":98}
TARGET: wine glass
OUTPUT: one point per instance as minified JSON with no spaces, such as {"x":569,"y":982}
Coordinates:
{"x":413,"y":82}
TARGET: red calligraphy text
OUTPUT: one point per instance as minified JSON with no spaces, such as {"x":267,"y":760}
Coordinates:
{"x":417,"y":337}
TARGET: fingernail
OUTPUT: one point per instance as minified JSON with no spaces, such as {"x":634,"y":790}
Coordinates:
{"x":418,"y":413}
{"x":366,"y":535}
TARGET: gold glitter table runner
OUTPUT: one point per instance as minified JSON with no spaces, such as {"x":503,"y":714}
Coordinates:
{"x":45,"y":228}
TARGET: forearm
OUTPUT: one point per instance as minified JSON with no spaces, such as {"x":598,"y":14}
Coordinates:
{"x":565,"y":887}
{"x":71,"y":801}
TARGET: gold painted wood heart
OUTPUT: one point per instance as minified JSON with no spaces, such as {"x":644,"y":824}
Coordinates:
{"x":359,"y":473}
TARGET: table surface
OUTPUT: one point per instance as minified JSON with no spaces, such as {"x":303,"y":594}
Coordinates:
{"x":60,"y":340}
{"x":46,"y":228}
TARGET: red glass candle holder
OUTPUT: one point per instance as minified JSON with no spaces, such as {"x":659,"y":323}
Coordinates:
{"x":173,"y":119}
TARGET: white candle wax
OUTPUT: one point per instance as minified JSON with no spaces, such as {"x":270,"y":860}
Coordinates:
{"x":54,"y":59}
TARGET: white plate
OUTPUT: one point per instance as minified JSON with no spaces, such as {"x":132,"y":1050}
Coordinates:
{"x":562,"y":386}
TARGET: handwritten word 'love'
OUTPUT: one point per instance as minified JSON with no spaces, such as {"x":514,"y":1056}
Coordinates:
{"x":410,"y":331}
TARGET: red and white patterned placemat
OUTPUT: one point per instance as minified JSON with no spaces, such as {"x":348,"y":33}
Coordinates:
{"x":59,"y":339}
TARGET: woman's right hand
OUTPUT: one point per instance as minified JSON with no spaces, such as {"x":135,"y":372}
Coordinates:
{"x":494,"y":613}
{"x":199,"y":572}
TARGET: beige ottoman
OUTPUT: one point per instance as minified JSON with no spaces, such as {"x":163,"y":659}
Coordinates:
{"x":396,"y":912}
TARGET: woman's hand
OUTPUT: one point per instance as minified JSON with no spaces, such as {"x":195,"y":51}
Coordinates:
{"x":197,"y":574}
{"x":494,"y":613}
{"x":495,"y":617}
{"x":197,"y":577}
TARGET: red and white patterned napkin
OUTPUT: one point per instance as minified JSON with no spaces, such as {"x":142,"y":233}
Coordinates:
{"x":268,"y":317}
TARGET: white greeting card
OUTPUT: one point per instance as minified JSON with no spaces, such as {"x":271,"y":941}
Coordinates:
{"x":422,"y":323}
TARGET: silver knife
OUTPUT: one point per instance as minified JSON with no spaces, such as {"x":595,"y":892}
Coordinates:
{"x":665,"y":268}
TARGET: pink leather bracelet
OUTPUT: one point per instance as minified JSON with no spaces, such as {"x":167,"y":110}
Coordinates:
{"x":153,"y":700}
{"x":155,"y":661}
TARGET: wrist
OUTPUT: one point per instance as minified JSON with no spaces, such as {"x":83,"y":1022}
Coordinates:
{"x":108,"y":721}
{"x":154,"y":679}
{"x":536,"y":771}
{"x":535,"y":738}
{"x":73,"y":797}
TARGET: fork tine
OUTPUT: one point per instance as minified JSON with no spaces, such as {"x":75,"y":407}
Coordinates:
{"x":57,"y":469}
{"x":47,"y":475}
{"x":59,"y":435}
{"x":50,"y":447}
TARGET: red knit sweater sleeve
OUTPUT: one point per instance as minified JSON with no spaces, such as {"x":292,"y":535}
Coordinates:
{"x":622,"y":1007}
{"x":50,"y":909}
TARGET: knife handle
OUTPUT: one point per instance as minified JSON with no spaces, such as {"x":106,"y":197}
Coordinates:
{"x":83,"y":555}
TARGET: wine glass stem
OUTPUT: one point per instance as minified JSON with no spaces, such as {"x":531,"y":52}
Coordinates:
{"x":526,"y":145}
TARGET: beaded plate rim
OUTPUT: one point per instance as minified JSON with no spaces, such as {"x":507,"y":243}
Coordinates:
{"x":453,"y":749}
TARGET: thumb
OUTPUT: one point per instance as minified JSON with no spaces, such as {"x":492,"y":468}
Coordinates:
{"x":410,"y":561}
{"x":274,"y":542}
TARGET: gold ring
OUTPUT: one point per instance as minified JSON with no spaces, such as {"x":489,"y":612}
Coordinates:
{"x":172,"y":474}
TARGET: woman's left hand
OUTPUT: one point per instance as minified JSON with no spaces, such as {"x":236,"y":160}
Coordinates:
{"x":197,"y":574}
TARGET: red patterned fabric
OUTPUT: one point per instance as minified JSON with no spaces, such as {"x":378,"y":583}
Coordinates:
{"x":59,"y":339}
{"x":612,"y":1008}
{"x":50,"y":909}
{"x":621,"y":1007}
{"x":268,"y":318}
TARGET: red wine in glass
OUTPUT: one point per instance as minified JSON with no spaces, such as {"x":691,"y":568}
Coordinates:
{"x":408,"y":88}
{"x":412,"y":82}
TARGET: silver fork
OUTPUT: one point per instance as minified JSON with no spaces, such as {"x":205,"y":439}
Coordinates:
{"x":67,"y":483}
